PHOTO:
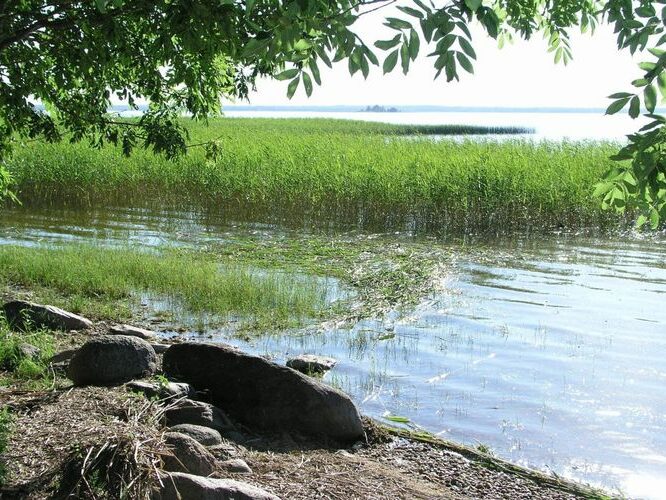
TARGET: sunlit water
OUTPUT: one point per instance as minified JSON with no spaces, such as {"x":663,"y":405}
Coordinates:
{"x":551,"y":351}
{"x":548,"y":126}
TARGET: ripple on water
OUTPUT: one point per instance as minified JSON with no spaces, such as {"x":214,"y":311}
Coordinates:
{"x":551,"y":351}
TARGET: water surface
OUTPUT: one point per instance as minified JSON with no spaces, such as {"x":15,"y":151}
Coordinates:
{"x":548,"y":350}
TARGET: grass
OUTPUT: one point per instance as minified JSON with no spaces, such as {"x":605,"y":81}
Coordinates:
{"x":335,"y":171}
{"x":5,"y":429}
{"x":19,"y":368}
{"x":96,"y":280}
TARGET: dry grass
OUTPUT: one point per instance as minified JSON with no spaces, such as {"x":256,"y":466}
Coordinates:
{"x":82,"y":443}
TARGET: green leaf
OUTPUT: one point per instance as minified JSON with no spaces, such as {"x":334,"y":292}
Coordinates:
{"x":404,"y":57}
{"x":617,"y":106}
{"x":411,"y":12}
{"x":650,"y":98}
{"x":287,"y":75}
{"x":293,"y":85}
{"x":397,"y":24}
{"x":390,"y":61}
{"x":661,"y":81}
{"x":467,"y":47}
{"x":414,"y":44}
{"x":315,"y":71}
{"x":307,"y":83}
{"x":640,"y":82}
{"x":473,"y":5}
{"x":397,"y":418}
{"x":249,"y":5}
{"x":635,"y":107}
{"x":365,"y":68}
{"x":464,"y":62}
{"x":620,"y":95}
{"x":647,"y":66}
{"x":371,"y":56}
{"x":388,"y":44}
{"x":654,"y":219}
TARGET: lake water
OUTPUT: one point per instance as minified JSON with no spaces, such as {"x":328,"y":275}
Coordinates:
{"x":550,"y":351}
{"x":552,"y":126}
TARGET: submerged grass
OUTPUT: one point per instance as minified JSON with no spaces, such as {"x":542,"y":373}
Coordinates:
{"x":89,"y":276}
{"x":335,"y":171}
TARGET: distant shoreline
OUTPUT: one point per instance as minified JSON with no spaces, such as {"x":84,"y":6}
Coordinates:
{"x":418,"y":109}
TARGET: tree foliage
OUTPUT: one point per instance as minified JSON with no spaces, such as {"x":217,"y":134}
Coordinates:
{"x":183,"y":55}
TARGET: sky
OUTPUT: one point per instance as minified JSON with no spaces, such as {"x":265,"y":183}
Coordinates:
{"x":522,"y":74}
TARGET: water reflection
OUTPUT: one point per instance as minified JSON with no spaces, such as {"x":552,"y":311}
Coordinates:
{"x":550,"y":351}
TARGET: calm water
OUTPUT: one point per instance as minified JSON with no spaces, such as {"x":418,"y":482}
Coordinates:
{"x":552,"y":126}
{"x":550,"y":351}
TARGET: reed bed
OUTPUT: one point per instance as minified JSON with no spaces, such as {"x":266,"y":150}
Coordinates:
{"x":345,"y":172}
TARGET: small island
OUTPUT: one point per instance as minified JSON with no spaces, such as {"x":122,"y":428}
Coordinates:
{"x":379,"y":109}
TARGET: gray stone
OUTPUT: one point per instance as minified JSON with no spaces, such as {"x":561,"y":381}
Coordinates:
{"x":131,"y":331}
{"x":111,"y":359}
{"x":29,"y":351}
{"x":171,"y":390}
{"x":63,"y":356}
{"x":225,"y":450}
{"x":179,"y":486}
{"x":204,"y":435}
{"x":160,"y":348}
{"x":236,"y":465}
{"x":22,"y":315}
{"x":187,"y":455}
{"x":260,"y":393}
{"x":311,"y":364}
{"x":188,"y":411}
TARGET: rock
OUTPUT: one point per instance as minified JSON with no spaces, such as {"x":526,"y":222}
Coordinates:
{"x":260,"y":393}
{"x":111,"y":359}
{"x":63,"y":356}
{"x":171,"y":390}
{"x":28,"y":351}
{"x":311,"y":364}
{"x":192,"y":412}
{"x":225,"y":450}
{"x":160,"y":348}
{"x":131,"y":331}
{"x":204,"y":435}
{"x":236,"y":465}
{"x":179,"y":486}
{"x":21,"y":315}
{"x":187,"y":455}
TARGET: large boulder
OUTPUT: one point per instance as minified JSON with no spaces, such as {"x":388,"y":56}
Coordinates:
{"x":263,"y":394}
{"x":187,"y":455}
{"x":204,"y":435}
{"x":187,"y":411}
{"x":180,"y":486}
{"x":111,"y":359}
{"x":21,"y":315}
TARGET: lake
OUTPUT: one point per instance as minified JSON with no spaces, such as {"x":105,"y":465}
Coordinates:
{"x":548,"y":350}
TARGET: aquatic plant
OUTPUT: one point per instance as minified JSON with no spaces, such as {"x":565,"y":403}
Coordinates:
{"x":335,"y":171}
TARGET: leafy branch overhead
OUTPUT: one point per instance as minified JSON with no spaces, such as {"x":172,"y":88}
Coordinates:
{"x":78,"y":57}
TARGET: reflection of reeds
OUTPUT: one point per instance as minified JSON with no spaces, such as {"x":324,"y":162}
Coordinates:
{"x":334,"y":171}
{"x":97,"y":276}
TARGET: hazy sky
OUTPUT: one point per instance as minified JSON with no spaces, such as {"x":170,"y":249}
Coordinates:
{"x":522,"y":74}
